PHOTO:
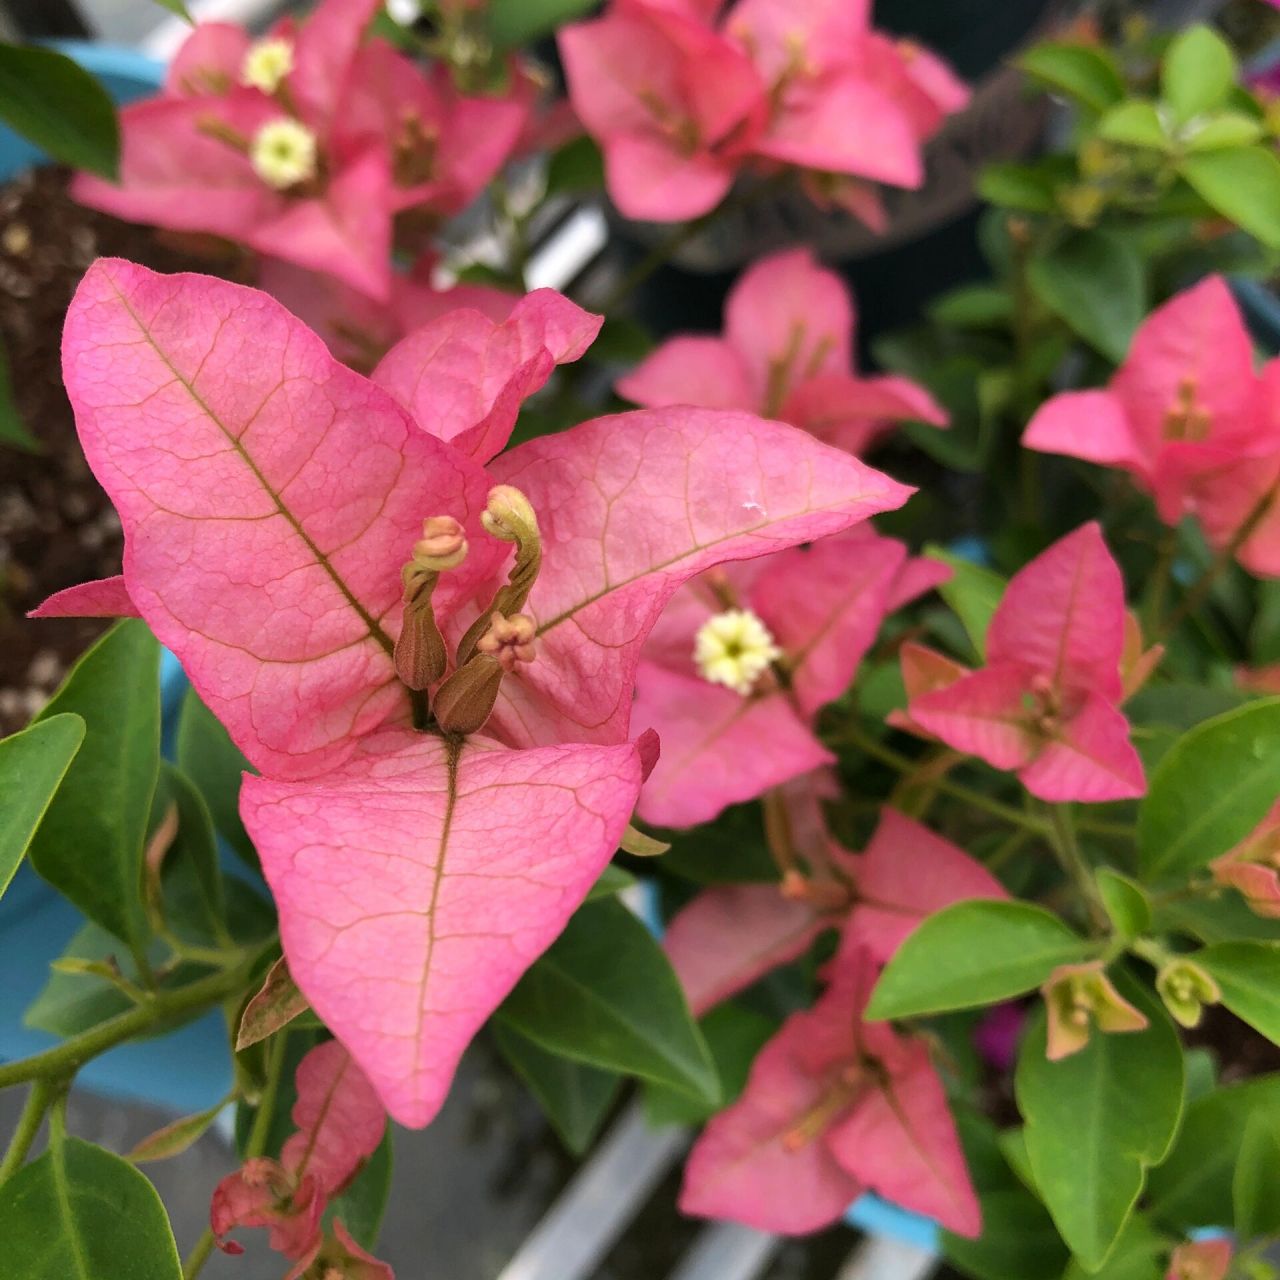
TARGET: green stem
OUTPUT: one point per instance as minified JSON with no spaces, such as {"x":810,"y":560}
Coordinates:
{"x":65,"y":1059}
{"x":1160,"y":581}
{"x":654,"y":260}
{"x":43,"y":1092}
{"x":1064,"y":843}
{"x":886,"y":755}
{"x":199,"y":1255}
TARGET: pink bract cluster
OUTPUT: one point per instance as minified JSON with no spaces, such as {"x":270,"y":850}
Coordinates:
{"x":1192,"y":422}
{"x":683,"y":98}
{"x":306,"y":146}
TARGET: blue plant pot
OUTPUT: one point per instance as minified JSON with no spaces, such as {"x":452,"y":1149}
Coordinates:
{"x":190,"y":1069}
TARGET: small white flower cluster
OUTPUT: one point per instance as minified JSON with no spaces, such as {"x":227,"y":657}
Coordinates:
{"x":734,"y":649}
{"x":267,"y":63}
{"x":283,"y":152}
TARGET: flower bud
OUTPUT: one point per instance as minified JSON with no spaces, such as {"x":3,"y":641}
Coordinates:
{"x":420,"y":654}
{"x":443,"y":544}
{"x":1079,"y":997}
{"x":510,"y":515}
{"x":509,"y":640}
{"x":466,"y":699}
{"x":1201,"y":1260}
{"x":1185,"y":989}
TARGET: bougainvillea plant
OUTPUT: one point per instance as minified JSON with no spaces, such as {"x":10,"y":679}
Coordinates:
{"x":880,"y":770}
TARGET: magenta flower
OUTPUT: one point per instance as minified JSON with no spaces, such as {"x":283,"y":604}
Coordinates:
{"x":304,"y":145}
{"x":786,"y":353}
{"x":341,"y":588}
{"x":1188,"y":417}
{"x":729,"y":936}
{"x":743,"y":659}
{"x":1047,"y":703}
{"x":340,"y":1123}
{"x":834,"y":1106}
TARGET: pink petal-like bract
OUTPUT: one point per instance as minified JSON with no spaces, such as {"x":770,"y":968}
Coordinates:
{"x":253,"y":548}
{"x":106,"y":598}
{"x":418,"y":883}
{"x":630,"y":507}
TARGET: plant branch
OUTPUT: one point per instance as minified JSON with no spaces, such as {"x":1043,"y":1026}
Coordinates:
{"x":1064,"y":843}
{"x":65,"y":1059}
{"x":42,"y":1094}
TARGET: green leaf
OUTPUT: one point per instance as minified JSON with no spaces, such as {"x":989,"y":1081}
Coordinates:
{"x":1016,"y":186}
{"x":215,"y":764}
{"x":1211,"y":789}
{"x":1141,"y":1253}
{"x":971,"y":954}
{"x":13,"y":430}
{"x":605,"y":994}
{"x":1255,"y":1190}
{"x":193,"y":902}
{"x":81,"y":1213}
{"x":176,"y":7}
{"x":1094,"y":282}
{"x":1192,"y":1188}
{"x":175,"y":1137}
{"x":1126,"y":904}
{"x":1135,"y":124}
{"x":514,"y":22}
{"x":734,"y":1034}
{"x":362,"y":1205}
{"x":1249,"y":975}
{"x":1097,"y":1120}
{"x":1198,"y":72}
{"x":53,"y":102}
{"x":1229,"y":129}
{"x":575,"y":1098}
{"x":729,"y":850}
{"x":1086,"y":74}
{"x":1018,"y":1241}
{"x":89,"y":846}
{"x":575,"y":168}
{"x":972,"y":592}
{"x":613,"y":880}
{"x":32,"y":766}
{"x":1242,"y":184}
{"x":973,"y":306}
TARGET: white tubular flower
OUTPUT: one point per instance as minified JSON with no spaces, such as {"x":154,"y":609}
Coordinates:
{"x":283,"y":153}
{"x":266,"y":64}
{"x":734,"y":649}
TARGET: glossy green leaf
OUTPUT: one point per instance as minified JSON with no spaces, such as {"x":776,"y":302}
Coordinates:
{"x":605,"y":994}
{"x":1095,"y":283}
{"x":972,"y":593}
{"x":515,"y":22}
{"x":1198,"y":72}
{"x":735,"y":1035}
{"x":1097,"y":1120}
{"x":613,"y":880}
{"x":575,"y":168}
{"x":1141,"y":1253}
{"x":1192,"y":1188}
{"x":1255,"y":1189}
{"x":1018,"y":1241}
{"x":1210,"y":790}
{"x":1089,"y":75}
{"x":53,"y":102}
{"x":575,"y":1098}
{"x":1249,"y":976}
{"x":1229,"y":129}
{"x":1016,"y":186}
{"x":89,"y":846}
{"x":13,"y":431}
{"x":972,"y":954}
{"x":32,"y":766}
{"x":81,"y":1213}
{"x":215,"y":764}
{"x":1126,"y":904}
{"x":193,"y":902}
{"x":1135,"y":124}
{"x":1242,"y":184}
{"x":974,"y":306}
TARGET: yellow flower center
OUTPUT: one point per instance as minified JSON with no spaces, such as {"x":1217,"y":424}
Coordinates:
{"x":266,"y":64}
{"x":734,"y":649}
{"x":283,"y":153}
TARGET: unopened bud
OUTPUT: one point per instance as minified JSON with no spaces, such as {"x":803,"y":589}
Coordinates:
{"x":443,"y":544}
{"x":509,"y":640}
{"x":509,"y":515}
{"x":420,"y":653}
{"x":1079,"y":997}
{"x":466,"y":700}
{"x":1185,"y":989}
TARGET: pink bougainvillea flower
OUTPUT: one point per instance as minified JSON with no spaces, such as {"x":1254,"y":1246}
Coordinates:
{"x":360,"y":330}
{"x":833,"y":1107}
{"x":304,"y":145}
{"x":340,"y":586}
{"x":1253,"y":866}
{"x":729,"y":936}
{"x":739,"y":665}
{"x":340,"y":1123}
{"x":787,"y":353}
{"x":670,"y":101}
{"x":1047,"y":702}
{"x":1200,"y":1260}
{"x":1078,"y":998}
{"x":1185,"y":403}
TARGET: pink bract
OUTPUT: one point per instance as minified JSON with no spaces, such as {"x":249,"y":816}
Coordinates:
{"x":1047,"y":702}
{"x":815,"y":1128}
{"x":787,"y":352}
{"x":270,"y":497}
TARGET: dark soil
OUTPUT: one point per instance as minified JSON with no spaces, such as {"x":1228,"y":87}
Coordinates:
{"x":57,"y":527}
